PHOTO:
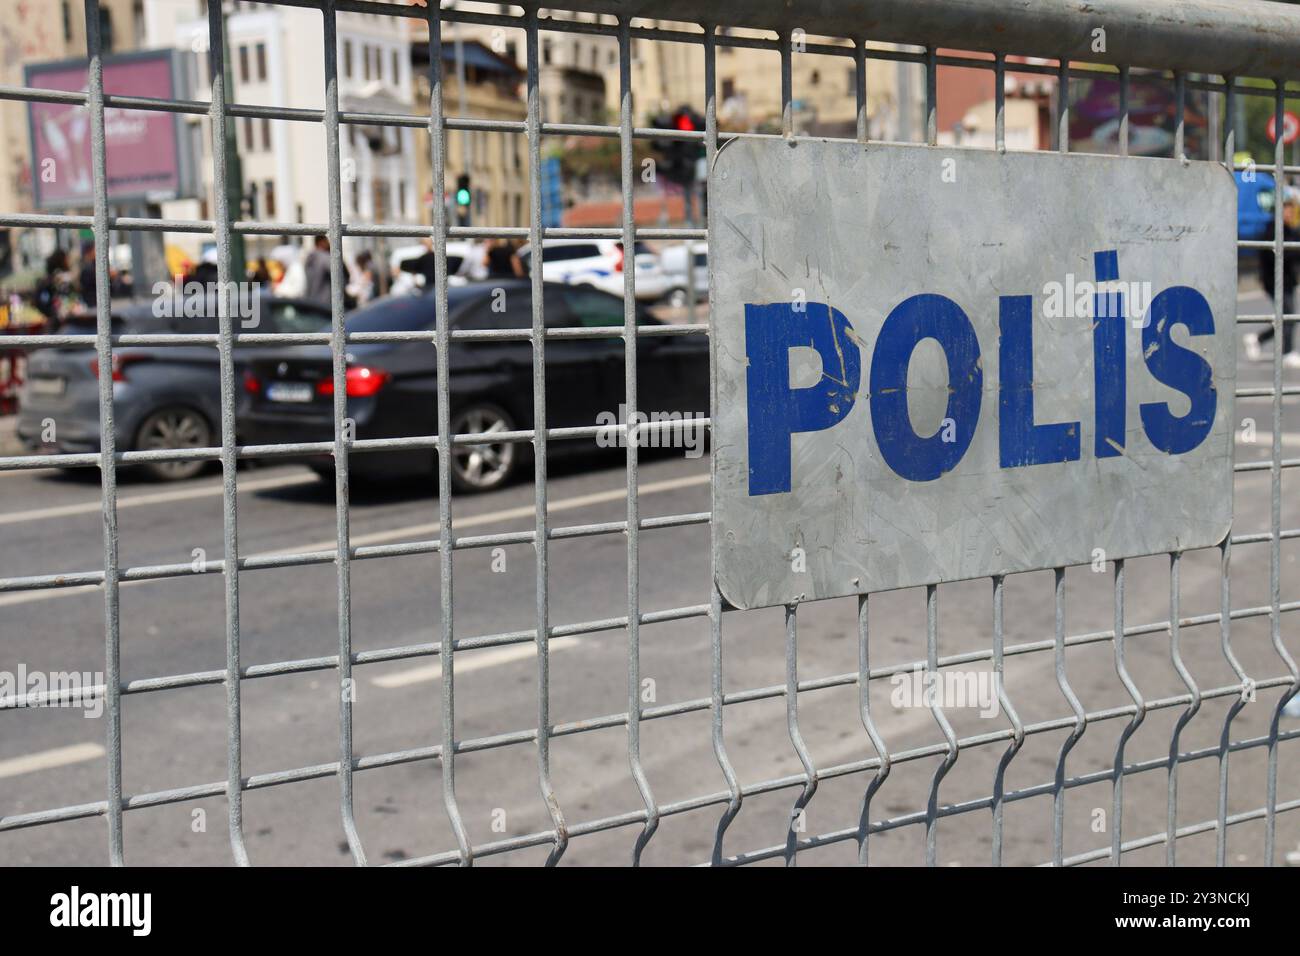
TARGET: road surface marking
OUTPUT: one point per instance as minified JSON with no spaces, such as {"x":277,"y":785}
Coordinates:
{"x":1264,"y":440}
{"x":157,"y":497}
{"x":49,"y":759}
{"x":479,"y":660}
{"x":409,"y":532}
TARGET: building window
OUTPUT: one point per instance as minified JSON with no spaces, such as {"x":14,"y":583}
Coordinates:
{"x":268,"y":198}
{"x":248,"y":135}
{"x":266,"y":135}
{"x":243,"y":64}
{"x":397,"y":69}
{"x":815,"y":78}
{"x":347,"y":59}
{"x":401,"y":198}
{"x":105,"y":30}
{"x":137,"y":23}
{"x":365,"y":63}
{"x":261,"y":62}
{"x":67,"y":22}
{"x":546,"y":52}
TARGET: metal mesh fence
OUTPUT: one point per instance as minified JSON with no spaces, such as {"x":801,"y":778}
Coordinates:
{"x":920,"y":807}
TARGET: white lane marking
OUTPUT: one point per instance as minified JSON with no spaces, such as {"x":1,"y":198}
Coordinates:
{"x":409,"y":532}
{"x":49,"y":759}
{"x":1264,"y":440}
{"x":478,"y":660}
{"x":11,"y":472}
{"x":152,"y":498}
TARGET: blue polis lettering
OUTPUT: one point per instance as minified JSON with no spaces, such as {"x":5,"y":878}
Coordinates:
{"x":777,"y":411}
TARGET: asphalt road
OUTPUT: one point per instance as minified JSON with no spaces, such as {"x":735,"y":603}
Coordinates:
{"x":52,"y":757}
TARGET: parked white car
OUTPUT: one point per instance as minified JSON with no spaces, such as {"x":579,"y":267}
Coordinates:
{"x":673,"y":258}
{"x":600,"y":263}
{"x":464,"y":262}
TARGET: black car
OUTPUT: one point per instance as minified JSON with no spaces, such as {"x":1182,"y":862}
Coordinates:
{"x":392,"y":386}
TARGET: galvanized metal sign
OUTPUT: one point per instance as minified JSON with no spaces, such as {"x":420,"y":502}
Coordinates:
{"x":938,"y":364}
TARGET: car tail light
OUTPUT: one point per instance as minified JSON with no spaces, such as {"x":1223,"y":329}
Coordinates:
{"x":618,"y":257}
{"x":362,"y":382}
{"x":252,"y":385}
{"x":120,"y":362}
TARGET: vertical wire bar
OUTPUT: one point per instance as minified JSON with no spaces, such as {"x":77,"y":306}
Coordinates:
{"x":1225,"y":567}
{"x":1080,"y":724}
{"x":541,"y":543}
{"x":932,"y":96}
{"x":1063,"y":107}
{"x":229,"y":462}
{"x":787,"y":84}
{"x":1180,"y":121}
{"x":1275,"y":471}
{"x":633,"y":442}
{"x":860,"y":88}
{"x":877,"y":741}
{"x":107,"y":430}
{"x":796,"y":738}
{"x":338,"y":353}
{"x":442,"y":344}
{"x":1000,"y":102}
{"x":1225,"y":737}
{"x":1121,"y":668}
{"x":715,"y":596}
{"x":1176,"y":656}
{"x":1229,"y":119}
{"x":1124,"y":91}
{"x":933,"y":684}
{"x":1017,"y":727}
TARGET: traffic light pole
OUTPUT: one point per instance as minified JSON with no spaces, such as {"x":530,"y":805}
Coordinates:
{"x":464,"y":212}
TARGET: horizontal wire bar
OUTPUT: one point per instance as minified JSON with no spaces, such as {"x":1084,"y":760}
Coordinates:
{"x":323,"y":338}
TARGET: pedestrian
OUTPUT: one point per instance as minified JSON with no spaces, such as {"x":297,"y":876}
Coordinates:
{"x":86,"y":281}
{"x":1290,"y":275}
{"x":317,"y":269}
{"x":262,"y":273}
{"x":54,"y":288}
{"x":502,"y":261}
{"x":362,"y":287}
{"x":423,"y":266}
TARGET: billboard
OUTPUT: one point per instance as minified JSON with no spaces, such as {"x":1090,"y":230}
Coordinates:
{"x":1153,"y":117}
{"x":149,"y":154}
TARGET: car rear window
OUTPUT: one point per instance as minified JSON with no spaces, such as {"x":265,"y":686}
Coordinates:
{"x":399,"y":314}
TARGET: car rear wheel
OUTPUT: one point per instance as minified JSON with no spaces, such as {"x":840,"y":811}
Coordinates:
{"x":476,"y":468}
{"x":175,"y":427}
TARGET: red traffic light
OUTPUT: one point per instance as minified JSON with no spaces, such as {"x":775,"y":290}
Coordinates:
{"x":684,"y":121}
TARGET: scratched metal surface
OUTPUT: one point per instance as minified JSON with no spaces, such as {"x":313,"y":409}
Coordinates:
{"x":863,"y":227}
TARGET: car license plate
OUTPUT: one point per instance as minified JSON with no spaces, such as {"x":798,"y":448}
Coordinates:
{"x":299,"y":392}
{"x":47,"y":386}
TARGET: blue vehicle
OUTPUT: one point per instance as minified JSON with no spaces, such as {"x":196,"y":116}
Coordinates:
{"x":1254,"y":205}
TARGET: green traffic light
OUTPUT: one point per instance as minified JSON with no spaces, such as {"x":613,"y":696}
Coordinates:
{"x":462,"y":197}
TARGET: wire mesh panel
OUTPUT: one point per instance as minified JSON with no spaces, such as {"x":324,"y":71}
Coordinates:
{"x":1142,"y":718}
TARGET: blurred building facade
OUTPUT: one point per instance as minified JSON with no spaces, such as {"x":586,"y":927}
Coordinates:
{"x":497,"y":163}
{"x":276,"y":57}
